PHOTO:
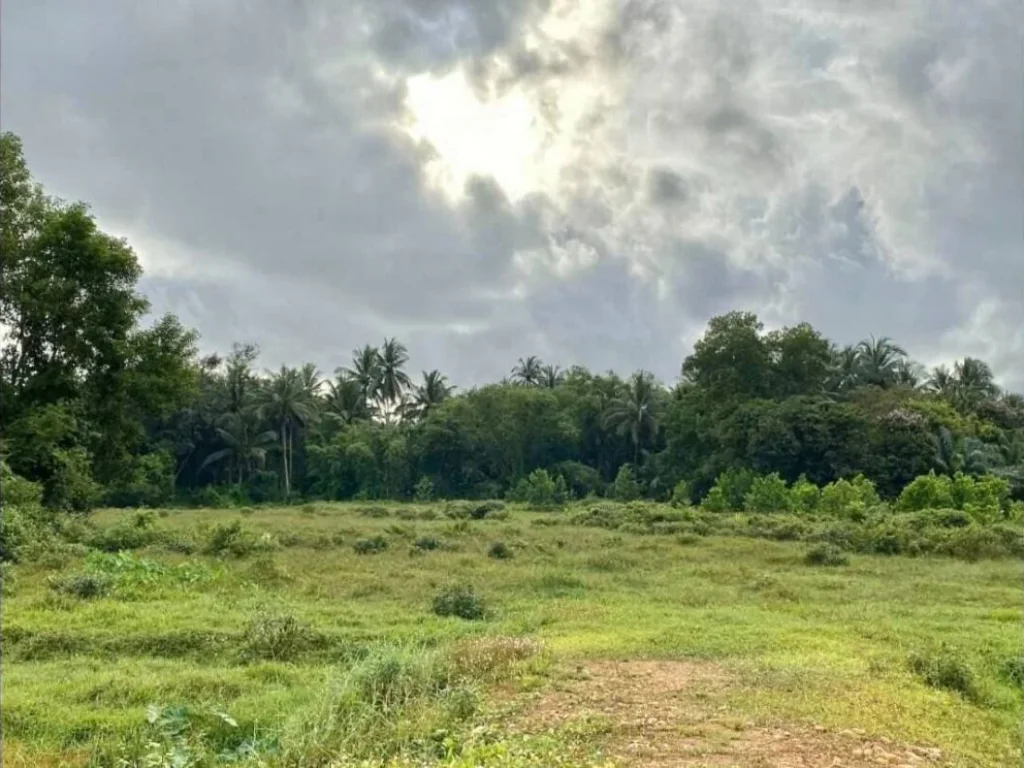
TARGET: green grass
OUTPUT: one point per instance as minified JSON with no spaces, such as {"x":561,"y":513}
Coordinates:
{"x":291,"y":642}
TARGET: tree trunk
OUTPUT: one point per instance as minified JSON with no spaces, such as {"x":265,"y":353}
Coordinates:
{"x":284,"y":463}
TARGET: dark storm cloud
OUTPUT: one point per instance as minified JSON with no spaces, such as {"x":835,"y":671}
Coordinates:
{"x":855,"y":164}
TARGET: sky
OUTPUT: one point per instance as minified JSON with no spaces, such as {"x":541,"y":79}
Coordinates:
{"x":586,"y":181}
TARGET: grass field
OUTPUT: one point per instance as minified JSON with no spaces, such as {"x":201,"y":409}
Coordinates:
{"x":307,"y":641}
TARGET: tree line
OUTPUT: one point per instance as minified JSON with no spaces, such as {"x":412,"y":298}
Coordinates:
{"x":100,"y":407}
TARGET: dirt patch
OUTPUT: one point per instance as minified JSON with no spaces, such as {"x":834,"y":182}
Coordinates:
{"x":672,"y":713}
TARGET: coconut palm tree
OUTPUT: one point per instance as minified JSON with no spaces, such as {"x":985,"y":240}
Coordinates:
{"x":941,"y":381}
{"x":434,"y":390}
{"x":345,"y":401}
{"x":878,"y":361}
{"x":245,"y":445}
{"x":974,"y":381}
{"x":844,"y":373}
{"x":365,"y":371}
{"x":551,"y":376}
{"x":634,"y":413}
{"x":284,"y":401}
{"x":908,"y":374}
{"x":393,"y":381}
{"x":528,"y":371}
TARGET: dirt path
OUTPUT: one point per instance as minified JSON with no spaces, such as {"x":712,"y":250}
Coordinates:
{"x":663,"y":713}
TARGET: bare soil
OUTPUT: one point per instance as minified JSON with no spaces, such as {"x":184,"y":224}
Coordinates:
{"x":669,"y":713}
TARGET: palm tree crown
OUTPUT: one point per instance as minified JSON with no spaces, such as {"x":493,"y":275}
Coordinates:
{"x":528,"y":371}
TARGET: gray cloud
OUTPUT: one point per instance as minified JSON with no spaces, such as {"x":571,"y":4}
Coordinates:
{"x":854,"y":164}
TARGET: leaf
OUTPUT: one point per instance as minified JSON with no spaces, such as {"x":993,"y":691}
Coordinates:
{"x":153,"y":713}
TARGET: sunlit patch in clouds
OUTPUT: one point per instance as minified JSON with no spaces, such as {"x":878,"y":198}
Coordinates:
{"x":562,"y":177}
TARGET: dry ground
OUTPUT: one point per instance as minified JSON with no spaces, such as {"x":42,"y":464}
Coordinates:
{"x":670,"y":713}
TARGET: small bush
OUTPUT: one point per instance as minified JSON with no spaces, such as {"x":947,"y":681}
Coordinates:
{"x":458,"y":600}
{"x":499,"y":551}
{"x":625,"y":486}
{"x":946,"y":670}
{"x":768,"y":494}
{"x":1012,"y":671}
{"x":681,"y":495}
{"x":926,"y":492}
{"x":427,"y":543}
{"x":276,"y":638}
{"x":827,"y":555}
{"x":85,"y":586}
{"x":540,"y":490}
{"x":424,"y":490}
{"x":370,"y":546}
{"x":235,"y":539}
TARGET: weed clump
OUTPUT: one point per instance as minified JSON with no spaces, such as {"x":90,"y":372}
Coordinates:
{"x":370,"y":546}
{"x":427,"y":543}
{"x":499,"y":551}
{"x":827,"y":555}
{"x":84,"y":586}
{"x":459,"y":600}
{"x":946,"y":670}
{"x":276,"y":638}
{"x":235,"y":539}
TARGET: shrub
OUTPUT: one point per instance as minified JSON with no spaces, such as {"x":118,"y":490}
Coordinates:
{"x":71,"y":486}
{"x":625,"y":487}
{"x":849,"y":498}
{"x":1012,"y":671}
{"x":499,"y":551}
{"x":150,"y":482}
{"x":492,"y":508}
{"x":826,"y":555}
{"x":370,"y":546}
{"x":768,"y":494}
{"x":85,"y":586}
{"x":235,"y":539}
{"x":276,"y":638}
{"x":805,"y":495}
{"x":580,"y":480}
{"x":946,"y":670}
{"x":926,"y":492}
{"x":540,"y":490}
{"x":715,"y":501}
{"x":458,"y":600}
{"x":126,"y":535}
{"x":423,"y":491}
{"x":427,"y":543}
{"x":681,"y":495}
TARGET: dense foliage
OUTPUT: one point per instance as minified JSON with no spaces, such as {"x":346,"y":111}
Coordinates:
{"x":102,"y":406}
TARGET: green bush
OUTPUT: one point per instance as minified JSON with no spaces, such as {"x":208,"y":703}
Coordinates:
{"x":150,"y":482}
{"x":458,"y":600}
{"x":625,"y":487}
{"x":849,"y":498}
{"x":826,"y":555}
{"x":926,"y":492}
{"x":71,"y":486}
{"x":768,"y":494}
{"x":423,"y":491}
{"x":947,"y":670}
{"x":540,"y":490}
{"x":427,"y":543}
{"x":370,"y":546}
{"x":235,"y":539}
{"x":499,"y":551}
{"x":85,"y":586}
{"x":681,"y":495}
{"x":806,"y":496}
